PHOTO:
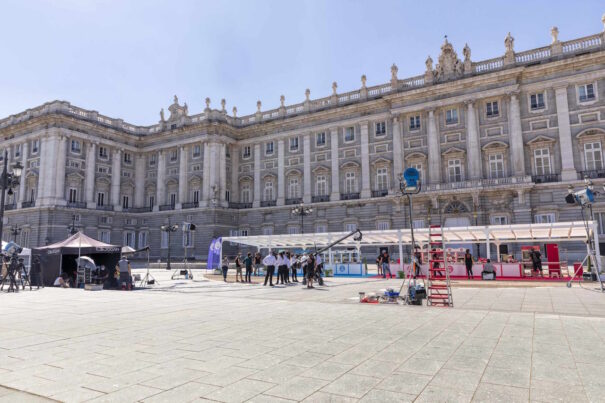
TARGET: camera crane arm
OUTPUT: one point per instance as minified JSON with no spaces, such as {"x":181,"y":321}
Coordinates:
{"x":358,"y":238}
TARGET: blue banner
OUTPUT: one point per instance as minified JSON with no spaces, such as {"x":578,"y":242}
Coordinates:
{"x":214,"y":253}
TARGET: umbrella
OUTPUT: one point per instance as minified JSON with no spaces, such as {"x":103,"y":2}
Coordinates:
{"x":86,"y":262}
{"x":127,"y":250}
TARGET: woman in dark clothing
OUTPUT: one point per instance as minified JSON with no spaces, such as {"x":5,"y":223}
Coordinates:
{"x":468,"y":261}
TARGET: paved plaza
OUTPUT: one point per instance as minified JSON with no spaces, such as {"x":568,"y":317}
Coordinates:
{"x":206,"y":340}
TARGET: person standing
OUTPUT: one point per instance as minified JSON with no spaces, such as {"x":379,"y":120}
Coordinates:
{"x":248,"y":264}
{"x":295,"y":265}
{"x":282,"y":265}
{"x":311,"y":262}
{"x":468,"y":261}
{"x":288,"y":267}
{"x":379,"y":265}
{"x":536,"y":258}
{"x":225,"y":267}
{"x":238,"y":268}
{"x":270,"y":261}
{"x":257,"y":262}
{"x":384,"y":262}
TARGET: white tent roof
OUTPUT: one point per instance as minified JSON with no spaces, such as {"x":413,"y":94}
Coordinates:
{"x":78,"y":240}
{"x":26,"y":251}
{"x":525,"y":233}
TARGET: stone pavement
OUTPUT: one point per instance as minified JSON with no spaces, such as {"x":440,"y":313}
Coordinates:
{"x":210,"y":341}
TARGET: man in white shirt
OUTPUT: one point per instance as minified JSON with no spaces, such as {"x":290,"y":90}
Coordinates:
{"x":270,"y":261}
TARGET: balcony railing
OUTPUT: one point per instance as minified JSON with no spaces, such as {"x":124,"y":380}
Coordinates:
{"x":190,"y":205}
{"x":296,"y":200}
{"x":380,"y":193}
{"x":10,"y":207}
{"x":548,"y":178}
{"x":320,"y":199}
{"x":268,"y":203}
{"x":105,"y":208}
{"x":140,"y":209}
{"x":349,"y":196}
{"x":28,"y":204}
{"x":239,"y":206}
{"x":593,"y":174}
{"x":167,"y":207}
{"x":75,"y":204}
{"x":479,"y":183}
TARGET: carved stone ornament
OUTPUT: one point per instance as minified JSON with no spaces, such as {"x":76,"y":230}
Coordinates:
{"x":177,"y":111}
{"x":449,"y":66}
{"x":363,"y":81}
{"x":466,"y":52}
{"x":509,"y":43}
{"x":554,"y":33}
{"x":429,"y":64}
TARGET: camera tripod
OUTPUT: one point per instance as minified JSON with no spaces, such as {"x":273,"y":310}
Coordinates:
{"x":148,"y":279}
{"x":12,"y":270}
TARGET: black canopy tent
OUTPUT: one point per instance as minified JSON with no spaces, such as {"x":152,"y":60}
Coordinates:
{"x":61,"y":256}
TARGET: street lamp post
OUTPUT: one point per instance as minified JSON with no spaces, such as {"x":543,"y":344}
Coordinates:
{"x":302,"y":211}
{"x":8,"y":180}
{"x":15,"y":230}
{"x":169,"y":229}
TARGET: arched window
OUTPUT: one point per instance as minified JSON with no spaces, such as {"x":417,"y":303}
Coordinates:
{"x":268,"y":192}
{"x":245,"y":193}
{"x":321,"y":185}
{"x":455,"y":207}
{"x":293,"y":188}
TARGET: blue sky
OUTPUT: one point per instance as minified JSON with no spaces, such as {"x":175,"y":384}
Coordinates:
{"x":126,"y":59}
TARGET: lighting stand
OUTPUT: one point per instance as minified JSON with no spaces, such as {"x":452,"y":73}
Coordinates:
{"x":148,"y":279}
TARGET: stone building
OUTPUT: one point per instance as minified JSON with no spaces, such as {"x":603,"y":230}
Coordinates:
{"x":496,"y":141}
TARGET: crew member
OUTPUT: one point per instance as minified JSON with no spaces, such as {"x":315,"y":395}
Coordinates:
{"x":289,"y":264}
{"x":238,"y":268}
{"x":488,"y":268}
{"x":295,"y":266}
{"x":319,"y":264}
{"x":125,"y":273}
{"x":225,"y":267}
{"x":270,"y":261}
{"x":468,"y":261}
{"x":257,"y":262}
{"x":248,"y":264}
{"x":282,"y":267}
{"x":384,"y":262}
{"x":311,"y":266}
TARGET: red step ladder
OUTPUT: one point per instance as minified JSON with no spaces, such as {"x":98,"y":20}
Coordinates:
{"x":439,"y":290}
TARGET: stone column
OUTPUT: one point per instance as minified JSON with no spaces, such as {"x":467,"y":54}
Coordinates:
{"x":22,"y":184}
{"x":91,"y":157}
{"x":116,"y":173}
{"x":473,"y":146}
{"x":206,"y":175}
{"x":47,"y":170}
{"x":366,"y":191}
{"x":139,"y":177}
{"x":281,"y":185}
{"x":234,"y":195}
{"x":257,"y":170}
{"x":42,"y":171}
{"x":214,"y":179}
{"x":517,"y":154}
{"x":160,"y":192}
{"x":184,"y":155}
{"x":335,"y":185}
{"x":398,"y":152}
{"x":222,"y":166}
{"x":307,"y":168}
{"x":568,"y":169}
{"x":434,"y":150}
{"x":61,"y":157}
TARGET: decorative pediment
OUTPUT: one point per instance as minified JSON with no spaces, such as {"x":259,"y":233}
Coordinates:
{"x":494,"y":145}
{"x":453,"y":150}
{"x":127,"y":183}
{"x":171,"y":182}
{"x":293,"y":172}
{"x":381,"y":161}
{"x":75,"y":176}
{"x":320,"y":168}
{"x":590,"y":132}
{"x":103,"y":180}
{"x":541,"y":139}
{"x":349,"y":164}
{"x":195,"y":178}
{"x":416,"y":155}
{"x":269,"y":176}
{"x":245,"y":178}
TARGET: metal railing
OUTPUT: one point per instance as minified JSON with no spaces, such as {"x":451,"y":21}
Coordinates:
{"x":547,"y":178}
{"x":296,"y":200}
{"x":28,"y":204}
{"x":240,"y":206}
{"x":349,"y":196}
{"x":167,"y":207}
{"x":593,"y":174}
{"x":320,"y":199}
{"x":268,"y":203}
{"x":190,"y":205}
{"x":380,"y":193}
{"x":140,"y":209}
{"x":74,"y":204}
{"x":104,"y":208}
{"x":10,"y":207}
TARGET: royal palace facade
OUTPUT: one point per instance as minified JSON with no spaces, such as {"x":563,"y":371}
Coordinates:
{"x":496,"y":141}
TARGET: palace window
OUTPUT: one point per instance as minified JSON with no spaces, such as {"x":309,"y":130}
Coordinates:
{"x":246,"y":152}
{"x":269,"y":148}
{"x":172,"y":199}
{"x":104,"y":236}
{"x":350,"y":134}
{"x":418,"y":167}
{"x":496,"y":166}
{"x":245,"y":194}
{"x":544,"y":218}
{"x":267,"y":230}
{"x":294,"y":144}
{"x":321,"y":228}
{"x":451,"y":116}
{"x":125,"y":202}
{"x":188,"y":239}
{"x":129,"y":238}
{"x":499,"y":220}
{"x":18,"y":150}
{"x":454,"y":168}
{"x":127,"y":158}
{"x":173,"y":155}
{"x":593,"y":155}
{"x":382,"y":225}
{"x":491,"y":109}
{"x":536,"y":101}
{"x":196,"y":196}
{"x":382,"y":179}
{"x":103,"y":152}
{"x":292,"y":230}
{"x":415,"y":122}
{"x":380,"y":128}
{"x":196,"y":167}
{"x":321,"y":185}
{"x":197,"y":151}
{"x":25,"y":238}
{"x":418,"y":223}
{"x":151,"y":201}
{"x":152,"y":159}
{"x":350,"y":182}
{"x":586,"y":92}
{"x":35,"y":146}
{"x":350,"y":227}
{"x":542,"y":161}
{"x":320,"y":139}
{"x":100,"y":199}
{"x":293,"y":188}
{"x":164,"y":240}
{"x":73,"y":195}
{"x":142,"y":239}
{"x":268,"y":191}
{"x":76,"y":147}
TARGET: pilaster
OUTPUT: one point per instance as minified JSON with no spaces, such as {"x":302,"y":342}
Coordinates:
{"x":234,"y":173}
{"x":222,"y":150}
{"x":91,"y":156}
{"x":335,"y":185}
{"x":206,"y":175}
{"x":116,"y":173}
{"x":398,"y":152}
{"x":434,"y":158}
{"x":184,"y":155}
{"x":257,"y":169}
{"x":472,"y":142}
{"x":22,"y":184}
{"x":568,"y":170}
{"x":307,"y":168}
{"x":160,"y":193}
{"x":139,"y":176}
{"x":516,"y":137}
{"x":366,"y":191}
{"x":281,"y":186}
